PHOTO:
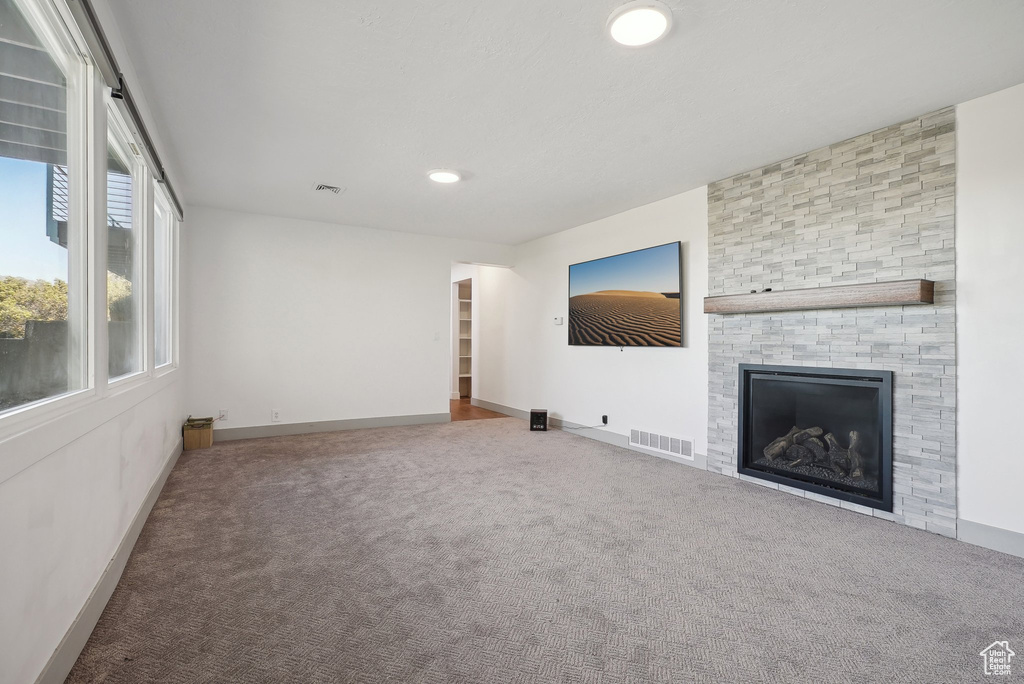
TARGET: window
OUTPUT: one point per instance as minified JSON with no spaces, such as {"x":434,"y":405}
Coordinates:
{"x":125,"y":292}
{"x":163,"y":282}
{"x":69,"y":239}
{"x":43,"y":296}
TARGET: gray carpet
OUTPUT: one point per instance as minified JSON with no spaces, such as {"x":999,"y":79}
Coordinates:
{"x":482,"y":552}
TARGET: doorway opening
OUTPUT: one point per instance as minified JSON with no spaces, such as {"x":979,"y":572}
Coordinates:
{"x":464,"y":345}
{"x":464,"y":352}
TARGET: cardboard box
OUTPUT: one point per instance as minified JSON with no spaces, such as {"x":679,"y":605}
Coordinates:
{"x":198,"y":433}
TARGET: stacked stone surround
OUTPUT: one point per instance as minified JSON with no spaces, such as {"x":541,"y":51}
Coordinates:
{"x":874,"y":208}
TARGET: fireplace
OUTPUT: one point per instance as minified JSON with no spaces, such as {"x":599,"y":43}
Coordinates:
{"x":823,"y":430}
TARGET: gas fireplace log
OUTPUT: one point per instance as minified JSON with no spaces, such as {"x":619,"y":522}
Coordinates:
{"x":817,"y":447}
{"x":856,"y":461}
{"x":806,"y":434}
{"x":778,"y":448}
{"x":838,"y":457}
{"x":801,"y":455}
{"x":775,"y":450}
{"x":802,"y":447}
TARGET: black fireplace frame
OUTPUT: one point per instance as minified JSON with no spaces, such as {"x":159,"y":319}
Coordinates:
{"x":841,"y":376}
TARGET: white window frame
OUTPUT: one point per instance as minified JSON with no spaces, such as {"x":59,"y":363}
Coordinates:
{"x":119,"y":137}
{"x":161,"y":198}
{"x":65,"y":46}
{"x":31,"y":432}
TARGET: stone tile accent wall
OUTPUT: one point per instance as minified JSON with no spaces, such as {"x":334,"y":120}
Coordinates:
{"x":873,"y":208}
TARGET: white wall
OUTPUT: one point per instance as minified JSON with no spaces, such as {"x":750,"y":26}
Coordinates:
{"x":990,"y":317}
{"x":322,"y":321}
{"x":526,"y":361}
{"x":63,"y":517}
{"x":73,"y":480}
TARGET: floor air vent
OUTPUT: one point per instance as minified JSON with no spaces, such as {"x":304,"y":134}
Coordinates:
{"x":666,"y":444}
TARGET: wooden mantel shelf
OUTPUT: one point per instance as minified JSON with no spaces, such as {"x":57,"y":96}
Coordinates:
{"x":895,"y":293}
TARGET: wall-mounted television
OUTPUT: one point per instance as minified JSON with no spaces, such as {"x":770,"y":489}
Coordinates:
{"x":628,"y":300}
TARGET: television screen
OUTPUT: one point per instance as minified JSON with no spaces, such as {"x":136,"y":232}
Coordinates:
{"x":628,"y":300}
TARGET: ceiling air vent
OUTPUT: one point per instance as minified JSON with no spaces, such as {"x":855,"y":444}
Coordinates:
{"x":320,"y":187}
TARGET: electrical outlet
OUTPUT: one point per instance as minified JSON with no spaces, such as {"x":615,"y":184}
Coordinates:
{"x":275,"y":415}
{"x":223,"y":414}
{"x":604,"y":420}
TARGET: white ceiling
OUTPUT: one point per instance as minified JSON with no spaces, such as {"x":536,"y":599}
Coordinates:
{"x":551,"y":124}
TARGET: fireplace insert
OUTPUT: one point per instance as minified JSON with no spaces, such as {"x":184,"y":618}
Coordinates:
{"x":824,"y":430}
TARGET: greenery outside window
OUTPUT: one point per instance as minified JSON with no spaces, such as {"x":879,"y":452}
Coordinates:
{"x":43,"y":255}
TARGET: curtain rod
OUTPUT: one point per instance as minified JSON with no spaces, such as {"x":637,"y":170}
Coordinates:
{"x":89,"y":25}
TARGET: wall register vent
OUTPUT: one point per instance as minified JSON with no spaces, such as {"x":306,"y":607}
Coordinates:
{"x":320,"y":187}
{"x":681,"y":447}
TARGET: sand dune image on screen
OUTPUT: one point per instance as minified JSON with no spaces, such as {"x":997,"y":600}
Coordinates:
{"x":626,"y":300}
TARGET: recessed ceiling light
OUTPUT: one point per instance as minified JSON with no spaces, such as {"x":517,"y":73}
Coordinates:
{"x":444,"y":176}
{"x":640,"y":22}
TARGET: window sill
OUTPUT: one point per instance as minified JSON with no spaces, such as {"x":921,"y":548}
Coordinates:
{"x":29,"y":415}
{"x":26,"y":442}
{"x":166,"y":369}
{"x":123,"y":383}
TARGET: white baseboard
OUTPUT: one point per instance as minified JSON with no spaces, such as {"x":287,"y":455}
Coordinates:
{"x":455,"y":396}
{"x":500,"y":408}
{"x":70,"y":647}
{"x":598,"y":434}
{"x":995,"y":538}
{"x":285,"y":429}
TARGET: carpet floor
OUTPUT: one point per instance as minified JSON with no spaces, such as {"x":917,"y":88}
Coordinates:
{"x":481,"y":552}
